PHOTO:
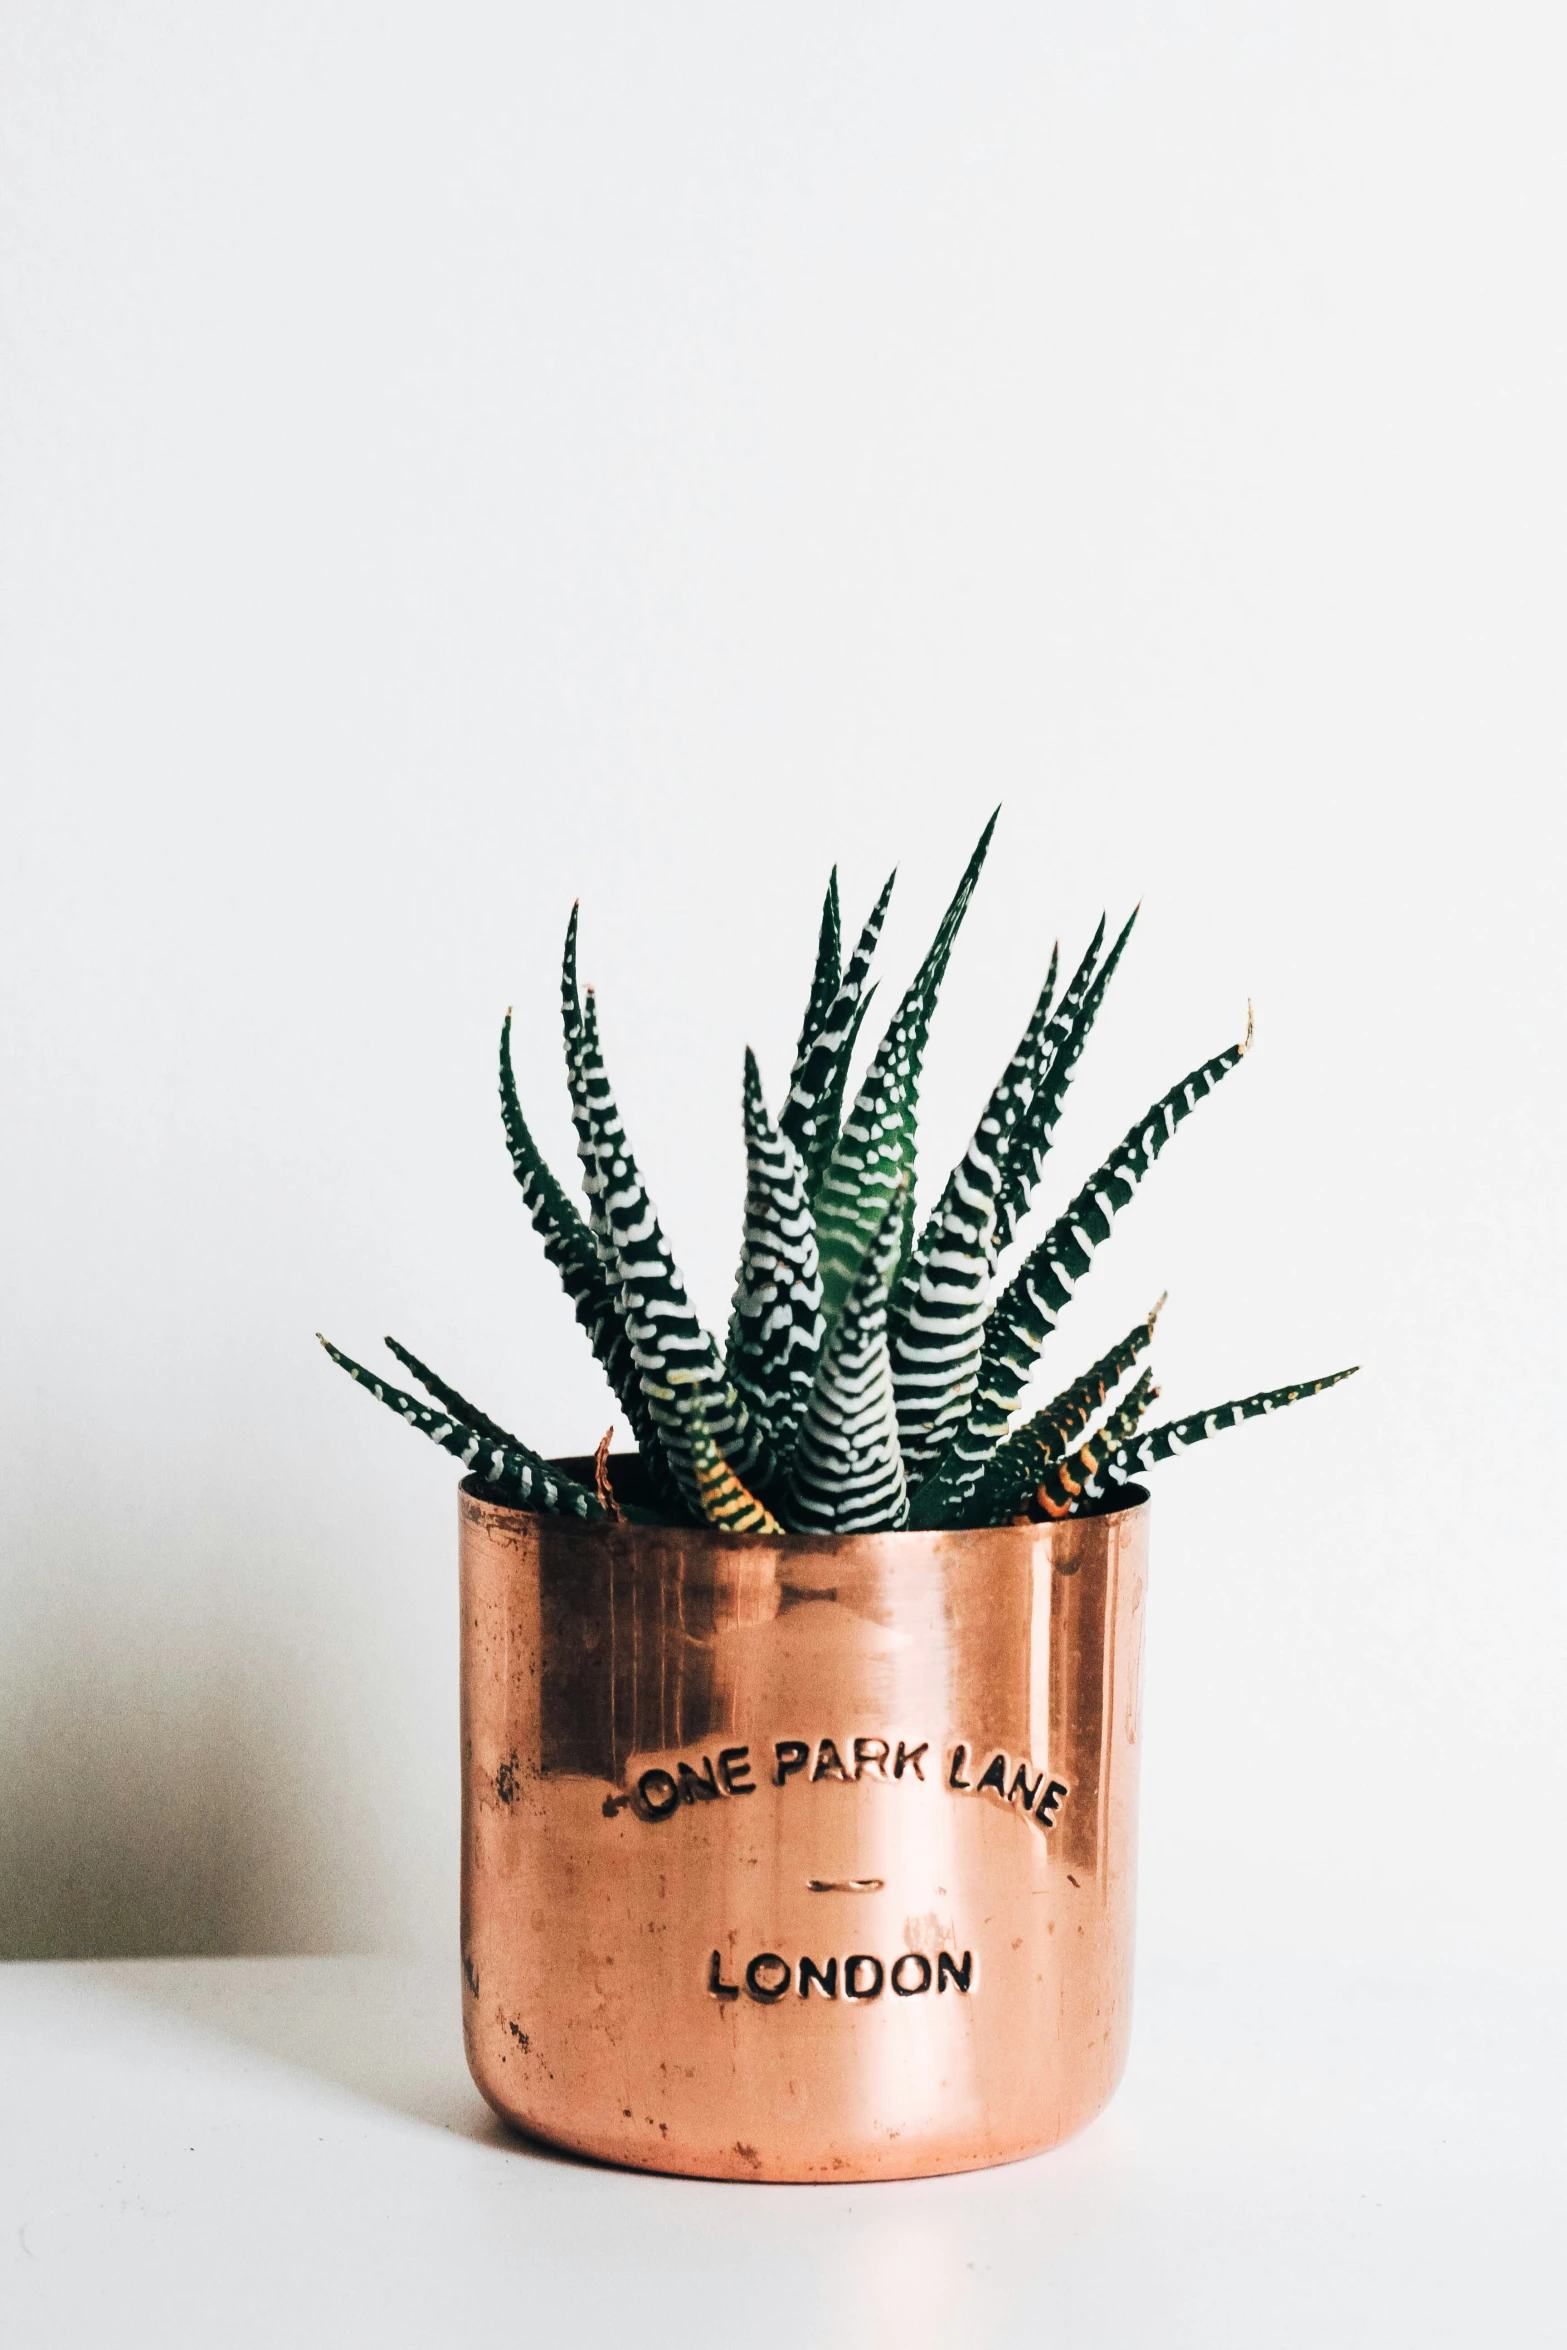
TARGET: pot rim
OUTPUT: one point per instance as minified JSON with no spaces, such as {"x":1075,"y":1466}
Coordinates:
{"x":472,"y":1496}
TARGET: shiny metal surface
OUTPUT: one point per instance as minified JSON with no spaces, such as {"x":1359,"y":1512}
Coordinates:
{"x":747,"y":1891}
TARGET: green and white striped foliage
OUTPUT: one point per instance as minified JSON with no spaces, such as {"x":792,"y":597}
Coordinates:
{"x":936,"y":1348}
{"x":1061,"y":1487}
{"x":873,"y":1158}
{"x":618,"y":1357}
{"x":847,"y":1476}
{"x":1038,"y":1293}
{"x":1050,"y":1435}
{"x":857,"y":1365}
{"x":725,"y":1502}
{"x":457,"y":1406}
{"x":810,"y":1114}
{"x":574,"y":1027}
{"x":828,"y":974}
{"x":1061,"y":1048}
{"x":937,"y":1316}
{"x":568,"y":1243}
{"x":668,"y":1489}
{"x":1069,"y":1477}
{"x":829,"y":1115}
{"x":519,"y":1477}
{"x":675,"y":1357}
{"x":992,"y":1140}
{"x":571,"y":1247}
{"x":1094,"y":1475}
{"x":775,"y":1332}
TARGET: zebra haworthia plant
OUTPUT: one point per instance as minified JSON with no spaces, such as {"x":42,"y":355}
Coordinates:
{"x":875,"y":1367}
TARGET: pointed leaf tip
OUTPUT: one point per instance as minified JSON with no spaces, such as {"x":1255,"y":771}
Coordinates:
{"x":1250,"y":1025}
{"x":1156,"y":1309}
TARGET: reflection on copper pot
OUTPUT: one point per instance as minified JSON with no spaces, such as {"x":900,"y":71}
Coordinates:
{"x":799,"y":1858}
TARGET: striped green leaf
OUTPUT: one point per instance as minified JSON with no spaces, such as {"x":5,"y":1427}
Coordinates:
{"x":575,"y":1028}
{"x":847,"y":1475}
{"x":775,"y":1332}
{"x":1032,"y":1302}
{"x":456,"y":1406}
{"x":873,"y":1158}
{"x":1060,"y":1051}
{"x":829,"y":1115}
{"x":1063,"y":1484}
{"x":459,"y":1408}
{"x":1051,"y":1433}
{"x":725,"y":1503}
{"x":665,"y":1486}
{"x":828,"y":974}
{"x":518,"y":1477}
{"x":675,"y":1357}
{"x":810,"y":1115}
{"x":936,"y":1319}
{"x":569,"y":1244}
{"x":1093,"y":1474}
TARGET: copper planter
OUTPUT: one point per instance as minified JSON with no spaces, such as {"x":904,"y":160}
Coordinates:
{"x":796,"y":1858}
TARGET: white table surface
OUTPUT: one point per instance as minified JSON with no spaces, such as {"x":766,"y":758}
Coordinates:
{"x":289,"y":2152}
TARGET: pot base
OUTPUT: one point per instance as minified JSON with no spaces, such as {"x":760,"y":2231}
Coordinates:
{"x":750,"y":2164}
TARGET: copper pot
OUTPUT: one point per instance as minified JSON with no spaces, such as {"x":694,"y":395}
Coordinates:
{"x":797,"y":1857}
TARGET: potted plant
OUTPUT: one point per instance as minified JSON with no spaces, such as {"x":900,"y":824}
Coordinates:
{"x":800,"y":1745}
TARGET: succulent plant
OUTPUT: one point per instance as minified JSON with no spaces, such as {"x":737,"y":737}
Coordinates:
{"x":874,"y":1372}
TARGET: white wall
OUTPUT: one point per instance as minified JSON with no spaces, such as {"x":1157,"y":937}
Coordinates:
{"x":457,"y":457}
